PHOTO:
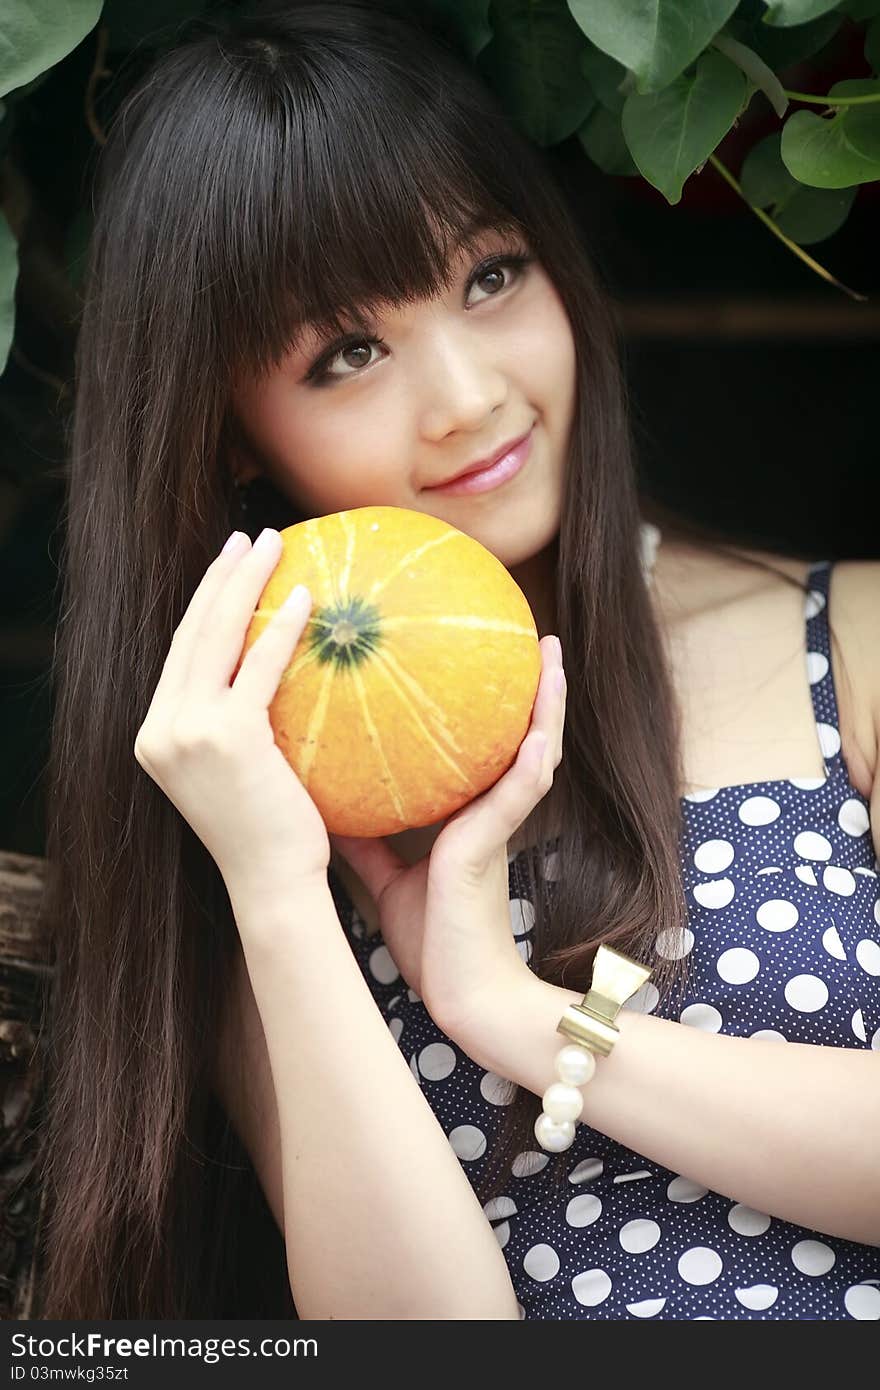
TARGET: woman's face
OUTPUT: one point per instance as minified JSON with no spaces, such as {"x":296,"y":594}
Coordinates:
{"x":454,"y":378}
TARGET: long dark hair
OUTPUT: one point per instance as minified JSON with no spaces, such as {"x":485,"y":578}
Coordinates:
{"x":275,"y":169}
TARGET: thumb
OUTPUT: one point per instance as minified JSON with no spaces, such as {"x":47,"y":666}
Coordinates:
{"x":373,"y":860}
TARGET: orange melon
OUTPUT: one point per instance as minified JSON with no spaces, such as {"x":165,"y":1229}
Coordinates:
{"x":414,"y":680}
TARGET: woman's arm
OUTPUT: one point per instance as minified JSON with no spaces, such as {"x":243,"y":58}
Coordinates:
{"x":380,"y":1221}
{"x":789,"y":1129}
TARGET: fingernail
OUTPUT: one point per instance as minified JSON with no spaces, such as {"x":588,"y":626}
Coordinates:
{"x":298,"y":598}
{"x":232,"y":542}
{"x":559,"y":682}
{"x":558,"y":645}
{"x":266,"y":539}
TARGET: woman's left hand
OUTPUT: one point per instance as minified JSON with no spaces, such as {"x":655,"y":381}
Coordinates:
{"x":445,"y":919}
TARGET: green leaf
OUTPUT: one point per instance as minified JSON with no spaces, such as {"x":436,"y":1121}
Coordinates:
{"x":787,"y":12}
{"x":602,"y":138}
{"x":807,"y":215}
{"x":755,"y":69}
{"x":671,"y":133}
{"x":835,"y":151}
{"x":8,"y":277}
{"x":872,"y":44}
{"x":783,"y":48}
{"x":655,"y":39}
{"x":37,"y":34}
{"x":533,"y":64}
{"x":604,"y":75}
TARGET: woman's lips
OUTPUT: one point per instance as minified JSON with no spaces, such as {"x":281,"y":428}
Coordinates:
{"x":494,"y":476}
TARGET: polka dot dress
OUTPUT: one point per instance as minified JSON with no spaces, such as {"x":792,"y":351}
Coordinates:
{"x":784,"y":942}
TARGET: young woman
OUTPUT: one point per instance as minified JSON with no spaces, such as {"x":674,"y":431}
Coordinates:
{"x":327,"y":273}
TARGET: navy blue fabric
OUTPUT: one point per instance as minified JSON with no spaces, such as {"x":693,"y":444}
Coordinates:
{"x":784,"y":941}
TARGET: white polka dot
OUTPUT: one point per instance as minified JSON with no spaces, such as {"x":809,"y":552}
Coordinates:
{"x":714,"y":856}
{"x":714,"y":895}
{"x":770,"y":1034}
{"x":862,"y":1302}
{"x":829,"y":739}
{"x":808,"y":784}
{"x":868,"y":956}
{"x":468,"y":1142}
{"x":591,"y":1288}
{"x":499,"y":1208}
{"x":839,"y":880}
{"x":759,"y":810}
{"x":638,"y":1236}
{"x":758,"y":1297}
{"x":737,"y":966}
{"x":395,"y":1027}
{"x":777,"y":914}
{"x":524,"y":946}
{"x":501,"y":1232}
{"x":746,"y":1221}
{"x":877,"y":912}
{"x":645,"y":1000}
{"x":588,"y":1170}
{"x":414,"y":1066}
{"x":833,"y":944}
{"x":700,"y":1265}
{"x":702,"y":794}
{"x":685,"y":1190}
{"x":497,"y":1090}
{"x":551,"y":866}
{"x":522,"y":916}
{"x":807,"y":874}
{"x":853,"y":818}
{"x":648,"y":1307}
{"x":875,"y":1041}
{"x":583,"y":1210}
{"x":436,"y":1061}
{"x":526,"y":1164}
{"x":673,"y":945}
{"x":811,"y":845}
{"x":817,"y":667}
{"x":702,"y":1016}
{"x":869,"y":873}
{"x":769,"y":869}
{"x":857,"y":1023}
{"x":382,"y":967}
{"x":541,"y":1263}
{"x":413,"y":997}
{"x":814,"y":602}
{"x":812,"y":1257}
{"x":806,"y":993}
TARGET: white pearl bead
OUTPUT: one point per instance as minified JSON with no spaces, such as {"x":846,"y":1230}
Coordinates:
{"x":553,"y":1137}
{"x":575,"y":1065}
{"x":562,"y":1102}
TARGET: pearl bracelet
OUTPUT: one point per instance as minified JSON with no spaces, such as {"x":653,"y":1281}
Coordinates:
{"x":590,"y":1028}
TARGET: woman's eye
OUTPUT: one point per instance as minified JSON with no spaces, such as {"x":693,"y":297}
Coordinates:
{"x":320,"y":371}
{"x":504,"y":271}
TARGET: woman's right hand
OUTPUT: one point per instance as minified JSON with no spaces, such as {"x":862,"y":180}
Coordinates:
{"x":210,"y":746}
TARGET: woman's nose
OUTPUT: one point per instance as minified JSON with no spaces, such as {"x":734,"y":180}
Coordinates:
{"x":461,"y":385}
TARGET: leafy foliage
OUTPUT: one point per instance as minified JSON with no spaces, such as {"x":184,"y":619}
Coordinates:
{"x":649,"y":88}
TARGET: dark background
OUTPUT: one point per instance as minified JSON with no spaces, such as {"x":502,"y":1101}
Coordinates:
{"x":753,"y":386}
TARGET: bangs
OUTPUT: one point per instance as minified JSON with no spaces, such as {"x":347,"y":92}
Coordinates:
{"x":338,"y":209}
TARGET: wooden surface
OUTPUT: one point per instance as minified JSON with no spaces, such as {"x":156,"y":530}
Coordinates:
{"x":25,"y":971}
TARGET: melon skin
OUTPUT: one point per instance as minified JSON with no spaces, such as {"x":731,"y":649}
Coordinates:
{"x":413,"y":683}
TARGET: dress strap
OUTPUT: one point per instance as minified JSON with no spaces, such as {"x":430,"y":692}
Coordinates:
{"x":819,"y":670}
